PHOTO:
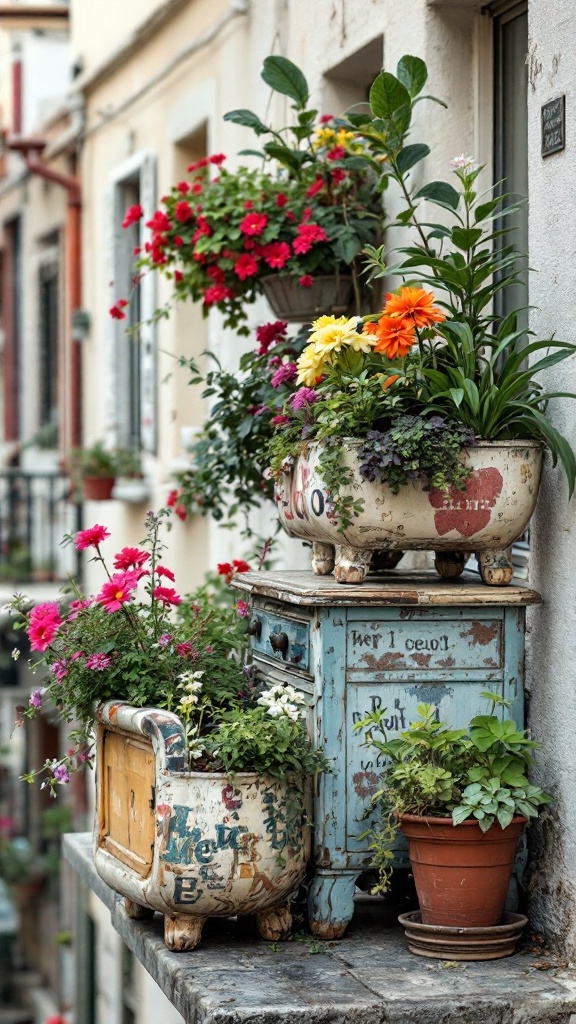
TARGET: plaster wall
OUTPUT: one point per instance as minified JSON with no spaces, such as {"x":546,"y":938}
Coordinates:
{"x":551,"y":666}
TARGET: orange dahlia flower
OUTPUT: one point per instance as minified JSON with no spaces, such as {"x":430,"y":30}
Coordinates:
{"x":415,"y":305}
{"x":395,"y":336}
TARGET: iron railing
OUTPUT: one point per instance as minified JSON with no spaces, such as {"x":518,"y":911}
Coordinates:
{"x":35,"y":514}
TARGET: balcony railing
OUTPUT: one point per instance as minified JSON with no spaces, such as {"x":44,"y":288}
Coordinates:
{"x":35,"y":514}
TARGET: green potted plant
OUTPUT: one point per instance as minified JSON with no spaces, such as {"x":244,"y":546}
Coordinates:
{"x":423,"y":426}
{"x":164,"y":676}
{"x":462,"y":798}
{"x":97,"y":467}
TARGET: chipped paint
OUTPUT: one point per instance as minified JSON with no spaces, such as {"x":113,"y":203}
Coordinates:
{"x":421,"y":659}
{"x":221,"y":846}
{"x":482,"y":634}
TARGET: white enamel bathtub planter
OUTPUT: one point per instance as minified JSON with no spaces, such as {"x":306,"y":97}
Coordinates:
{"x":484,"y":519}
{"x":192,"y":845}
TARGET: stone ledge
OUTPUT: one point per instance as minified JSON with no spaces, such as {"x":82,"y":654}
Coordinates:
{"x":369,"y":977}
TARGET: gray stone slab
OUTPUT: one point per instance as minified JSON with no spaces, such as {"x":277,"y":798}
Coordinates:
{"x":369,"y":977}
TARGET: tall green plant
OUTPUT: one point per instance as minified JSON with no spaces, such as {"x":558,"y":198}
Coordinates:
{"x":479,"y":374}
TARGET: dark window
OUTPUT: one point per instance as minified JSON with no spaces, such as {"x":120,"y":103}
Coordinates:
{"x":48,"y":342}
{"x":511,"y":137}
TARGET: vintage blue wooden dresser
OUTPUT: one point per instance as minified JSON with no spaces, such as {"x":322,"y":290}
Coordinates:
{"x":393,"y":642}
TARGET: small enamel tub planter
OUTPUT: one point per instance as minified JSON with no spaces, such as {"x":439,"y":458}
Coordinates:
{"x":193,"y":845}
{"x":483,"y":519}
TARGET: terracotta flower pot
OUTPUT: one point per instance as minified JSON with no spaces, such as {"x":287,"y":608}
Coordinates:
{"x":98,"y":488}
{"x":294,"y":303}
{"x":461,"y":873}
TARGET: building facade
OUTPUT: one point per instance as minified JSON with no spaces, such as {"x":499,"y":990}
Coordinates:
{"x":147,"y":91}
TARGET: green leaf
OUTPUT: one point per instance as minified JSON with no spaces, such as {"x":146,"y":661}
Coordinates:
{"x":248,"y":119}
{"x":290,"y":158}
{"x":388,"y":96}
{"x":460,"y":813}
{"x":411,"y":155}
{"x":466,"y":238}
{"x":412,"y":73}
{"x":440,"y":192}
{"x":284,"y":77}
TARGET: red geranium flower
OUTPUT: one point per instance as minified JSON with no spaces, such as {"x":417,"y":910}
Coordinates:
{"x":253,"y":223}
{"x":91,"y":538}
{"x":132,"y":215}
{"x":117,"y":590}
{"x":130,"y":558}
{"x":183,"y":211}
{"x":163,"y":571}
{"x":245,"y":266}
{"x":276,"y":254}
{"x":167,"y":595}
{"x":308,"y":234}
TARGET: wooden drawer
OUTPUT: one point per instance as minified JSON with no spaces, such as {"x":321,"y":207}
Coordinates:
{"x":416,"y":645}
{"x":281,"y":637}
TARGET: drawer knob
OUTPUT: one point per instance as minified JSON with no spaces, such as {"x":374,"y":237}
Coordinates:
{"x":255,"y":627}
{"x":279,"y":642}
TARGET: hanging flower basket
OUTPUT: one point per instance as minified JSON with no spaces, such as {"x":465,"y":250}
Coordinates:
{"x":290,"y":301}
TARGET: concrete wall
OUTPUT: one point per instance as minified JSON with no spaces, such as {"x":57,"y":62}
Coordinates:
{"x":552,"y":638}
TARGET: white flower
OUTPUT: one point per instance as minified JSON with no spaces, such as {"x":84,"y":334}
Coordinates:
{"x":15,"y":653}
{"x":463,"y":163}
{"x":189,"y":701}
{"x":282,"y":699}
{"x":190,"y":681}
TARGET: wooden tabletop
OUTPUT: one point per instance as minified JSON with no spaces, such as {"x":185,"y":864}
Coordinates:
{"x":390,"y":588}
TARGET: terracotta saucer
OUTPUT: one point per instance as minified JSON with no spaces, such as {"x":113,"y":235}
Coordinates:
{"x":444,"y":943}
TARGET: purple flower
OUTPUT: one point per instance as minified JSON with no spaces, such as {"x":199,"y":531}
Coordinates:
{"x":60,"y":670}
{"x":284,"y":375}
{"x":164,"y":640}
{"x":60,"y":773}
{"x":99,"y":662}
{"x":242,"y":609}
{"x":304,"y":396}
{"x":36,"y":699}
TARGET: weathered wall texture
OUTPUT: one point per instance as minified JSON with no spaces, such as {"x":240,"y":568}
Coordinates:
{"x":552,"y":641}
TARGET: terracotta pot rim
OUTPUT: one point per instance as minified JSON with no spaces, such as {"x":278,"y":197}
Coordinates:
{"x":430,"y":819}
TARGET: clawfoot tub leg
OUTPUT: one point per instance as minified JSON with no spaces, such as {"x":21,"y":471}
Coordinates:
{"x":275,"y":925}
{"x":182,"y":932}
{"x":322,"y":558}
{"x":449,"y":564}
{"x":351,"y":564}
{"x":496,"y":569}
{"x":136,"y":911}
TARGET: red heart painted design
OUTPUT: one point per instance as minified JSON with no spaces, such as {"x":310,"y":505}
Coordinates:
{"x":467,"y":511}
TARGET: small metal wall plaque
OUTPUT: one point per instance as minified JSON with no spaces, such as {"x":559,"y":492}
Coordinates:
{"x":553,"y":126}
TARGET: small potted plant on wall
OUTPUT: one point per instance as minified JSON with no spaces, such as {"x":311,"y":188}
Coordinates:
{"x":462,"y":798}
{"x":179,"y":716}
{"x":96,"y":468}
